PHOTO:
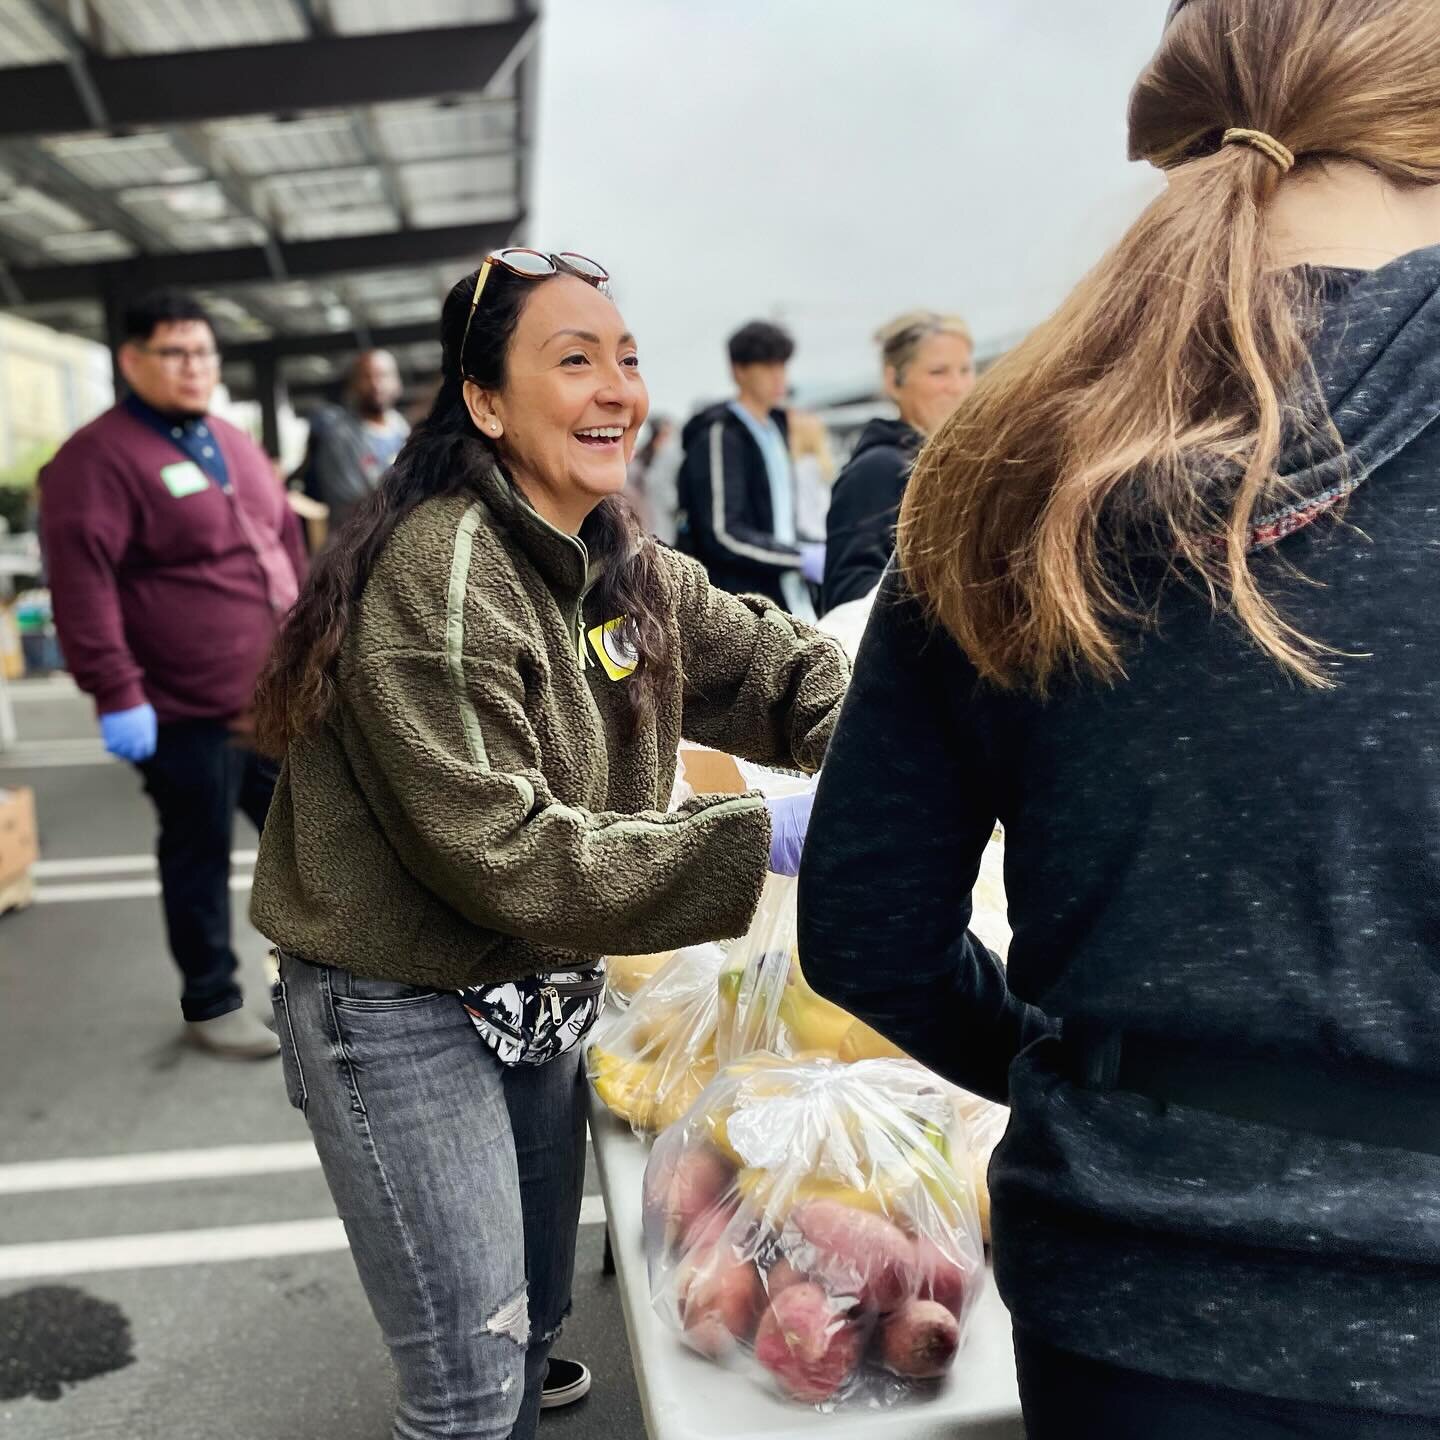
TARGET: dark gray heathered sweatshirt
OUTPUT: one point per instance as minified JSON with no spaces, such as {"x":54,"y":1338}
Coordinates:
{"x":1206,"y":854}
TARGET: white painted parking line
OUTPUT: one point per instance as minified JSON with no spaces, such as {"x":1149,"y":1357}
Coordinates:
{"x":172,"y":1247}
{"x":62,"y":744}
{"x":114,"y":865}
{"x":193,"y":1247}
{"x":100,"y":865}
{"x":43,"y":687}
{"x":114,"y":890}
{"x":153,"y":1167}
{"x":157,"y":1166}
{"x":54,"y":754}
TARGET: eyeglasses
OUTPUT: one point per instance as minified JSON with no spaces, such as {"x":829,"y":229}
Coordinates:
{"x":530,"y":265}
{"x":175,"y":357}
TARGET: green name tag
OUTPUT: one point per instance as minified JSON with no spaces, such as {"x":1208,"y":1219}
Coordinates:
{"x":184,"y":478}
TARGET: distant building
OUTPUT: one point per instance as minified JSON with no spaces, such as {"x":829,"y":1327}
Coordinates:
{"x":50,"y":385}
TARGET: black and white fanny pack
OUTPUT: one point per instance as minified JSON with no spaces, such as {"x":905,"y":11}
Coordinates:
{"x":532,"y":1021}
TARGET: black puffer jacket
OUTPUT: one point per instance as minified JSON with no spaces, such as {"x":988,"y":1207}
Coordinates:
{"x":1214,"y":861}
{"x":864,"y":506}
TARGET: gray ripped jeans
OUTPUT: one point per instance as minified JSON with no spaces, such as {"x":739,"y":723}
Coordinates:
{"x":459,"y":1181}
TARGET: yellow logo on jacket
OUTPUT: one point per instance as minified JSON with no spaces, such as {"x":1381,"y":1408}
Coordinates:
{"x":613,"y":650}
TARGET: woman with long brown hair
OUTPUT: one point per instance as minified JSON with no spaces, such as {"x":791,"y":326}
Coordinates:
{"x":1167,"y":604}
{"x":479,"y":698}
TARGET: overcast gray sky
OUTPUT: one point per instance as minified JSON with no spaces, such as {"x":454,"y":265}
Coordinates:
{"x":832,"y":162}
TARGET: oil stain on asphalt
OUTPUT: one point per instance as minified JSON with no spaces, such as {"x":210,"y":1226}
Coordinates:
{"x":55,"y":1335}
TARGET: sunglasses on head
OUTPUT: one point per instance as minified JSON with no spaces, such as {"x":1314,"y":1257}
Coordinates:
{"x":530,"y":265}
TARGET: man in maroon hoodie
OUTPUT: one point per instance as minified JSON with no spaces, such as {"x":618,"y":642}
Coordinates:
{"x":172,"y":556}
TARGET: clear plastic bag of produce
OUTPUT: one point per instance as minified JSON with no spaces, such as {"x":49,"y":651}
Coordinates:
{"x":815,"y":1223}
{"x":650,"y":1060}
{"x":765,"y":1001}
{"x":767,"y":1004}
{"x":985,"y":1123}
{"x":989,"y":910}
{"x":626,"y":974}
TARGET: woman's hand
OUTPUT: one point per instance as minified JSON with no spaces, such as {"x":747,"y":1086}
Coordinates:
{"x":789,"y":820}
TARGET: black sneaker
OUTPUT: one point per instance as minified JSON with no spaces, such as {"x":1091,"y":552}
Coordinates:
{"x":566,"y":1381}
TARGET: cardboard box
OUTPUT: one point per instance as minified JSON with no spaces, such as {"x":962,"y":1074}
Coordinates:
{"x":19,"y":849}
{"x":711,"y":772}
{"x":12,"y":654}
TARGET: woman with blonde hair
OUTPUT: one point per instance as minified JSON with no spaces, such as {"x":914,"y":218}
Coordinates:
{"x":1167,"y":604}
{"x":929,"y":365}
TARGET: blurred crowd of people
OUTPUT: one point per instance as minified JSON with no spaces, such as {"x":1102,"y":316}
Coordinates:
{"x":750,"y":485}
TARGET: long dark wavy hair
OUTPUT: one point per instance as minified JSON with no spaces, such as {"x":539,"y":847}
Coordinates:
{"x":447,"y":455}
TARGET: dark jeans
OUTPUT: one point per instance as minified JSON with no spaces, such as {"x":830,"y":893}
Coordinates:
{"x":1068,"y":1397}
{"x":197,"y":778}
{"x":459,"y":1181}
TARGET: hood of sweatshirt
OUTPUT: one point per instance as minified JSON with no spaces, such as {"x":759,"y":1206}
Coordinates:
{"x":1377,"y":358}
{"x":891,"y":434}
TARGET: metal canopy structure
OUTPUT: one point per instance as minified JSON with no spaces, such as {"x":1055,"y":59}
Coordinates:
{"x":318,"y":171}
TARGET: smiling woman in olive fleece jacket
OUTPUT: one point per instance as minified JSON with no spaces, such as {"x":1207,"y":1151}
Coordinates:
{"x":476,"y":810}
{"x":480,"y":696}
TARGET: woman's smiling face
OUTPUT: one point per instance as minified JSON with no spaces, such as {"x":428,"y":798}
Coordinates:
{"x":573,"y":401}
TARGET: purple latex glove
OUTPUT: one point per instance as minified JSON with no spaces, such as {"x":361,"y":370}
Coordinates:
{"x":789,"y":820}
{"x":812,"y":560}
{"x":130,"y":734}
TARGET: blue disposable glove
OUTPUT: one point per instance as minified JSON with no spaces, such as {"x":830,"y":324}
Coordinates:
{"x":789,"y":820}
{"x":130,"y":734}
{"x":812,"y":561}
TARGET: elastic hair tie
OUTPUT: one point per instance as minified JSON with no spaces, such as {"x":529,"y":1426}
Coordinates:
{"x":1267,"y":145}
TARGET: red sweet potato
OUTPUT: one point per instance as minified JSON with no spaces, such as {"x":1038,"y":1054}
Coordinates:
{"x":860,"y":1252}
{"x":720,"y":1299}
{"x":781,"y":1276}
{"x":939,"y":1277}
{"x":807,"y":1344}
{"x":685,"y":1187}
{"x":711,"y":1228}
{"x":919,"y":1339}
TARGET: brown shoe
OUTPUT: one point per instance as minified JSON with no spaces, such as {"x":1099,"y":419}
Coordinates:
{"x":236,"y":1035}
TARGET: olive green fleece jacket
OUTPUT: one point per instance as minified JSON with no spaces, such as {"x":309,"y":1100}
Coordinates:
{"x":474,"y":809}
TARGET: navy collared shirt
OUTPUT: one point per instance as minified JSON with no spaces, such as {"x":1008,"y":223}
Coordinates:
{"x":190,"y":434}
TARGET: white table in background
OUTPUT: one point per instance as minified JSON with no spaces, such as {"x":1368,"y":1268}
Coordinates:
{"x":687,"y":1398}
